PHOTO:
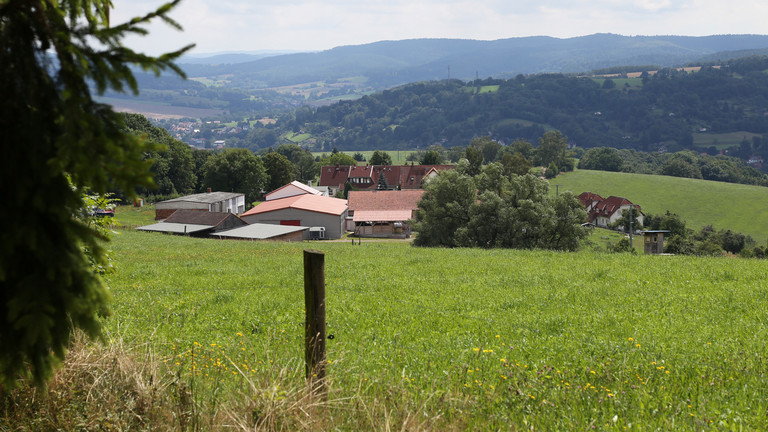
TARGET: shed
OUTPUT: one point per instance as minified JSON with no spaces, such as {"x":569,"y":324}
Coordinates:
{"x":302,"y":210}
{"x":265,"y":232}
{"x":195,"y":222}
{"x":653,"y":241}
{"x":222,"y":202}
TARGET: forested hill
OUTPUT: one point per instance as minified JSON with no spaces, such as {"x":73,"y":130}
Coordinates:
{"x":387,"y":63}
{"x":664,"y":109}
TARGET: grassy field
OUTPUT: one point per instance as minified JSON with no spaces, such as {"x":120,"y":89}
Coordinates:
{"x":398,"y":156}
{"x":438,"y":339}
{"x":722,"y":141}
{"x":740,"y":208}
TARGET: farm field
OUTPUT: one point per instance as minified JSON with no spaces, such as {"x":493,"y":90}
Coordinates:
{"x":740,"y":208}
{"x":157,"y":110}
{"x":722,"y":141}
{"x":398,"y":156}
{"x":438,"y":339}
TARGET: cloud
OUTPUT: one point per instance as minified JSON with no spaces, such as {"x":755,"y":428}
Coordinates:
{"x":226,"y":25}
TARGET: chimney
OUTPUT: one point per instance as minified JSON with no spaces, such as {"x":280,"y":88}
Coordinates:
{"x":209,"y":190}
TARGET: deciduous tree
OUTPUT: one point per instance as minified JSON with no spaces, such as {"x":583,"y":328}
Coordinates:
{"x":380,"y":158}
{"x":279,"y":170}
{"x":236,"y":170}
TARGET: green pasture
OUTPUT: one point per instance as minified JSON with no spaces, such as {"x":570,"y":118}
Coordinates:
{"x":722,"y":141}
{"x":130,"y":216}
{"x":601,"y":238}
{"x":740,"y":208}
{"x":297,"y":137}
{"x":482,"y":89}
{"x":398,"y":156}
{"x":458,"y":339}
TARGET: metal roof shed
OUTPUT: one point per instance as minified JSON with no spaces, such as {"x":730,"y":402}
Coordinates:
{"x":265,"y":232}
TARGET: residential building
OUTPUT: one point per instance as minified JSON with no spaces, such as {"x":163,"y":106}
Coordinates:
{"x":383,"y":213}
{"x":367,"y":177}
{"x":604,"y":211}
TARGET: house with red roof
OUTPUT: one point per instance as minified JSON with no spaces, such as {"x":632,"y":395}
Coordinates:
{"x":307,"y":210}
{"x":383,"y":213}
{"x":604,"y":211}
{"x":367,"y":177}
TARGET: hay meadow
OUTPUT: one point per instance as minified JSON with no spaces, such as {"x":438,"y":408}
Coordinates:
{"x":439,"y":339}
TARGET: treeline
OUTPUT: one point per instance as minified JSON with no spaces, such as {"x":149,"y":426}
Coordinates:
{"x":663,"y":109}
{"x":686,"y":164}
{"x":179,"y":169}
{"x":706,"y":242}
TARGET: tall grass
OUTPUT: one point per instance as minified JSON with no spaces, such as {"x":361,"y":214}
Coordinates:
{"x":437,"y":339}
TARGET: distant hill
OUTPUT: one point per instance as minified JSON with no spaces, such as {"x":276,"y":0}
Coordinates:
{"x":389,"y":63}
{"x":739,"y":208}
{"x":228,"y":57}
{"x":266,"y":83}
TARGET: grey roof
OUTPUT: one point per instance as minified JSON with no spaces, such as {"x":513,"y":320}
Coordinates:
{"x":176,"y":228}
{"x":259,"y":231}
{"x":200,"y":217}
{"x":207,"y":198}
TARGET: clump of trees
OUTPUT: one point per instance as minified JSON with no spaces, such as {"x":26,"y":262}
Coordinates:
{"x":684,"y":163}
{"x":706,"y":242}
{"x":491,"y":209}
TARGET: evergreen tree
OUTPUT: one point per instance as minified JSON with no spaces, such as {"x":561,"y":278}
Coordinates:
{"x":64,"y":143}
{"x":382,"y":181}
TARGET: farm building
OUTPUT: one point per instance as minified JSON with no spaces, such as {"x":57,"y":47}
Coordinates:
{"x":266,"y":232}
{"x":291,"y":189}
{"x":223,"y":202}
{"x":196,"y":223}
{"x":368,"y":177}
{"x":383,"y":213}
{"x":302,"y":210}
{"x":605,"y":211}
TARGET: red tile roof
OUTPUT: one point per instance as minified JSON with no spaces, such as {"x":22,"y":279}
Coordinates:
{"x":385,"y":200}
{"x":588,"y":197}
{"x":313,"y":203}
{"x":407,"y":176}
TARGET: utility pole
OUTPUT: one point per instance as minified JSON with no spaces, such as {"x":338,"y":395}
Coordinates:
{"x":631,"y":219}
{"x":557,"y":190}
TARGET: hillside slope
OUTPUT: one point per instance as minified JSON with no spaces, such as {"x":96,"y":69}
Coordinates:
{"x":740,"y":208}
{"x":387,"y":63}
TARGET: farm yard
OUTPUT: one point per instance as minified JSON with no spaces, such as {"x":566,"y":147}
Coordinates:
{"x":441,"y":339}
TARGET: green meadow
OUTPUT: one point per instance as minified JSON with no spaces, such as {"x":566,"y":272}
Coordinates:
{"x":740,"y":208}
{"x":398,"y":156}
{"x":452,"y":339}
{"x":722,"y":141}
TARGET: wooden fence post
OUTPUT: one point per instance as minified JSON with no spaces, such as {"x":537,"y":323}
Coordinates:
{"x":314,"y":305}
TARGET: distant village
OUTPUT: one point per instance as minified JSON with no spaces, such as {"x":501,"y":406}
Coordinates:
{"x":382,"y":205}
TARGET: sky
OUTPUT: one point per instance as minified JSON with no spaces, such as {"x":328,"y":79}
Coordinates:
{"x":316,"y":25}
